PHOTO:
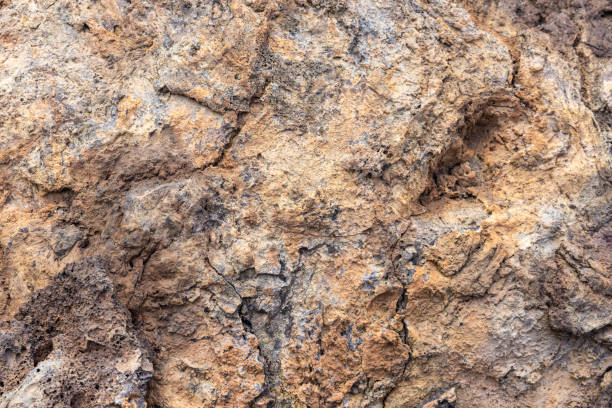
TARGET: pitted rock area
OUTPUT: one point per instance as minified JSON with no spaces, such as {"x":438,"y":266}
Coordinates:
{"x":306,"y":203}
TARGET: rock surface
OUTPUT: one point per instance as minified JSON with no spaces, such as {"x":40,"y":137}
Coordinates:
{"x":305,"y":203}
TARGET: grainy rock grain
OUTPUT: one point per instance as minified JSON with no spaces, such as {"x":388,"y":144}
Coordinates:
{"x":306,"y":203}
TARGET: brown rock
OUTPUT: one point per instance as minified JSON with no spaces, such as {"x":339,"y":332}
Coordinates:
{"x":305,"y":203}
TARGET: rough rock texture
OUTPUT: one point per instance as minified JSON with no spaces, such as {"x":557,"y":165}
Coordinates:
{"x":305,"y":203}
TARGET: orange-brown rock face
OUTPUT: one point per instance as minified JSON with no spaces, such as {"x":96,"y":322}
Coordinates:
{"x":305,"y":203}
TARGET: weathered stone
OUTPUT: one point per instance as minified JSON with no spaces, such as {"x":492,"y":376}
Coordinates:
{"x":305,"y":203}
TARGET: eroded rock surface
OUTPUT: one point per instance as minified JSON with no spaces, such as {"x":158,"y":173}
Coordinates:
{"x":304,"y":203}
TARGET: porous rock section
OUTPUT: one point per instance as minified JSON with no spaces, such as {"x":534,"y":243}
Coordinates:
{"x":305,"y":203}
